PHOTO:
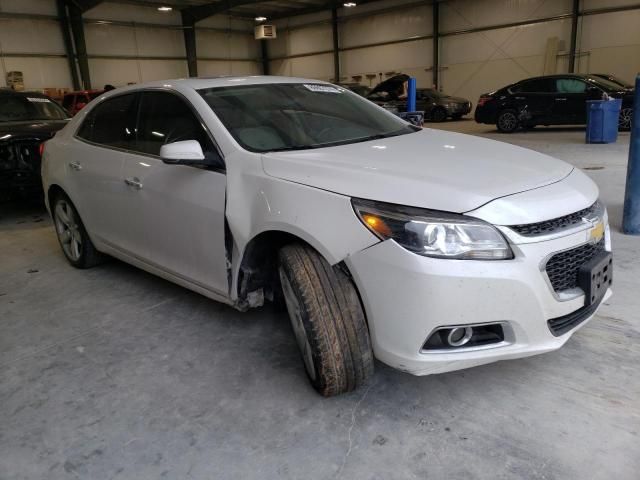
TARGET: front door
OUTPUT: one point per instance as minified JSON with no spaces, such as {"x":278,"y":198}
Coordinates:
{"x":571,"y":100}
{"x":177,"y":211}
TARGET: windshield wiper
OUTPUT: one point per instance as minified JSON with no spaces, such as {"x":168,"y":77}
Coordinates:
{"x":295,"y":147}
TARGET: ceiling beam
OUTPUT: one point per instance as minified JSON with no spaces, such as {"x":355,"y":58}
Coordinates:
{"x":200,"y":12}
{"x":85,"y":5}
{"x":318,"y":8}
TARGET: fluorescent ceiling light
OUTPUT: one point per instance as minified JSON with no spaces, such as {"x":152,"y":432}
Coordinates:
{"x":349,"y":4}
{"x":165,"y":9}
{"x":261,"y":19}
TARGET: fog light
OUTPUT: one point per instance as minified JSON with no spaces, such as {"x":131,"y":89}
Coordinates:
{"x":459,"y":336}
{"x":464,"y":337}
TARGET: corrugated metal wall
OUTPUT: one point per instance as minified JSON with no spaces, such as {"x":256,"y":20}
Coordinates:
{"x":375,"y":40}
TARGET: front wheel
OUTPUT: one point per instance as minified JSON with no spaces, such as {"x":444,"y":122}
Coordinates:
{"x":507,"y":121}
{"x":625,"y":118}
{"x":74,"y":240}
{"x":439,"y":114}
{"x":327,"y":320}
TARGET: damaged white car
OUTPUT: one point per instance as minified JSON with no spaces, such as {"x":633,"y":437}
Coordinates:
{"x":430,"y":251}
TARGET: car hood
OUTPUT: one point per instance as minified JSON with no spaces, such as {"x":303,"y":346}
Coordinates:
{"x":430,"y":169}
{"x":391,"y":84}
{"x":31,"y":128}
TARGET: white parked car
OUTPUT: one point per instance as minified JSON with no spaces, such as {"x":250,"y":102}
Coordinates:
{"x":429,"y":250}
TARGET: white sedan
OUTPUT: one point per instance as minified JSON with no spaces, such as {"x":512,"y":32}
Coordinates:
{"x":431,"y":251}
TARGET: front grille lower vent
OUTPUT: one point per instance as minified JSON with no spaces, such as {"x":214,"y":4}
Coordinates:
{"x":555,"y":224}
{"x":562,"y":268}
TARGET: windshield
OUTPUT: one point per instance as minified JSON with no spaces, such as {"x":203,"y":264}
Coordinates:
{"x":617,"y":80}
{"x":21,"y":108}
{"x":604,"y":83}
{"x":296,"y":116}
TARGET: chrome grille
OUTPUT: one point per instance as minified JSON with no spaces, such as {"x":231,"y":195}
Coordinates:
{"x":562,"y":268}
{"x":555,"y":224}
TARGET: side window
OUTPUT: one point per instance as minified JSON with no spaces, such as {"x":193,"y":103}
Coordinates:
{"x":112,"y":122}
{"x":166,"y":118}
{"x":538,"y":85}
{"x":570,"y":85}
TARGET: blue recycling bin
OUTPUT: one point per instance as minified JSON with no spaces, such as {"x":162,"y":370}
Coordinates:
{"x":602,"y":120}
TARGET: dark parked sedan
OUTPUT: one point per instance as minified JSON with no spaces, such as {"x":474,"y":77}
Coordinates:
{"x":436,"y":106}
{"x":550,"y":100}
{"x":27,"y":120}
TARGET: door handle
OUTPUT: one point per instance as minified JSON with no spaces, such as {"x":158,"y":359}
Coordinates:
{"x":561,"y":99}
{"x":133,"y":182}
{"x":75,"y":166}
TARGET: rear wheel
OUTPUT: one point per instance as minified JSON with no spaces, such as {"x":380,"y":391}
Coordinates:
{"x":625,"y":118}
{"x":507,"y":121}
{"x":74,"y":240}
{"x":327,"y":320}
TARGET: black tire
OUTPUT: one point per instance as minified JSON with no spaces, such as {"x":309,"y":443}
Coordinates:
{"x":625,"y":118}
{"x":438,"y":114}
{"x":85,"y":254}
{"x":457,"y":116}
{"x":327,"y":319}
{"x":507,"y":121}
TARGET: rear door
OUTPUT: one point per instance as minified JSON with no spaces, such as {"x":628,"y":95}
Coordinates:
{"x":533,"y":100}
{"x":176,"y":213}
{"x":95,"y":165}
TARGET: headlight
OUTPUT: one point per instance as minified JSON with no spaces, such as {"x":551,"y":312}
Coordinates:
{"x":432,"y":233}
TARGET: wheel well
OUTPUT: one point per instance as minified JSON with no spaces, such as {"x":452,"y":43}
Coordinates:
{"x":258,"y":274}
{"x":54,"y":191}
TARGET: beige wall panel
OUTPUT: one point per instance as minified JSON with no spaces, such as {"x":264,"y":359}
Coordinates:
{"x":38,"y":72}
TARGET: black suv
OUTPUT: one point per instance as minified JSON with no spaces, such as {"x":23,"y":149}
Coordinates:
{"x":550,"y":100}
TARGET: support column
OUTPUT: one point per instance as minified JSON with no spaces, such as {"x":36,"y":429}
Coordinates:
{"x":631,"y":212}
{"x":336,"y":45}
{"x":436,"y":42}
{"x":63,"y":17}
{"x":574,"y":35}
{"x":189,"y":31}
{"x":265,"y":57}
{"x":77,"y":30}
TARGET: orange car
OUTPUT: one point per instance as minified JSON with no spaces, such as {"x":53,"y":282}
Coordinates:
{"x":73,"y":102}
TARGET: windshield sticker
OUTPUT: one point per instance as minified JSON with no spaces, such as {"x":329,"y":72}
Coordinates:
{"x":322,"y":88}
{"x":38,"y":100}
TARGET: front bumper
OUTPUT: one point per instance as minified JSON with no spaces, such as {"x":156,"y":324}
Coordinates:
{"x":407,"y":296}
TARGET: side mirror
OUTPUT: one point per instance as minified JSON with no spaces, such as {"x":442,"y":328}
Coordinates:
{"x":186,"y":152}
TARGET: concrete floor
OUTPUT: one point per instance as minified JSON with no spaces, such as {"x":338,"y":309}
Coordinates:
{"x":113,"y":373}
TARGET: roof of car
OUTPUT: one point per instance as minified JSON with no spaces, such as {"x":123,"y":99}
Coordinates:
{"x":8,"y":91}
{"x":222,"y":81}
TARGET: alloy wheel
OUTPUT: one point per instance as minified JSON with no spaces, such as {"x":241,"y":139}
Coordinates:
{"x":68,"y":230}
{"x":624,"y":120}
{"x":507,"y":121}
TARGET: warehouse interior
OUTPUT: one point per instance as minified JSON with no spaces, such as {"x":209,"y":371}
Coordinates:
{"x":114,"y":373}
{"x":481,"y":45}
